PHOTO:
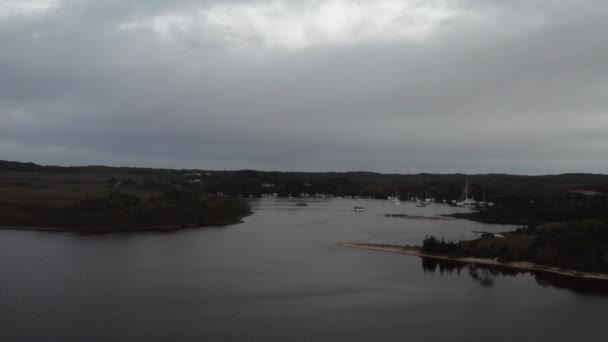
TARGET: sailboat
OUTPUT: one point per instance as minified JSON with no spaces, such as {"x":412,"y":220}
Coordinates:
{"x":396,"y":198}
{"x":483,"y":202}
{"x":467,"y":202}
{"x":427,"y":199}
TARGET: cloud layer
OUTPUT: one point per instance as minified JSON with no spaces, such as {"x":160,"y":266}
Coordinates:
{"x":294,"y":25}
{"x":392,"y":86}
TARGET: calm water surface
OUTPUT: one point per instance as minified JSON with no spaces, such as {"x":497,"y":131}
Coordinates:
{"x":277,"y":277}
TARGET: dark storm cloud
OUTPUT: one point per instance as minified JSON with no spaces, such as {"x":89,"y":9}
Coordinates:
{"x":411,"y":86}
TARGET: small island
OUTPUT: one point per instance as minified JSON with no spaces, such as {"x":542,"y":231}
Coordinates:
{"x":576,"y":249}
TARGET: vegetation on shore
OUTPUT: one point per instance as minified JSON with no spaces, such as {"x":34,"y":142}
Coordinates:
{"x":578,"y":245}
{"x":527,"y":200}
{"x":550,"y":207}
{"x":107,"y":199}
{"x":121,"y":211}
{"x":514,"y":191}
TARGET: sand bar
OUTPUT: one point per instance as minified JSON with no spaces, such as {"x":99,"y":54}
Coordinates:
{"x":521,"y":265}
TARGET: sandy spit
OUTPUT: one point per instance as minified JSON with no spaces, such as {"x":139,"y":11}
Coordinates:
{"x":522,"y":266}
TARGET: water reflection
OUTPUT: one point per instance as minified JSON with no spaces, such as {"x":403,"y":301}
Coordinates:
{"x":487,"y":276}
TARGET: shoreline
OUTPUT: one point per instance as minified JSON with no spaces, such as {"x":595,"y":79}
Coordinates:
{"x":494,"y":220}
{"x":132,"y":229}
{"x":518,"y":265}
{"x":422,"y":217}
{"x":160,"y":229}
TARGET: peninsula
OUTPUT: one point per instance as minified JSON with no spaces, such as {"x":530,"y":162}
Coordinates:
{"x":576,"y":249}
{"x":105,"y":199}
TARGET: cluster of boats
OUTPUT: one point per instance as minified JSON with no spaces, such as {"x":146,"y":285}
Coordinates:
{"x":470,"y":202}
{"x":464,"y":202}
{"x":422,"y":203}
{"x":419,"y":202}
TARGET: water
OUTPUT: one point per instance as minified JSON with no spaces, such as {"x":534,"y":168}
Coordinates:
{"x":277,"y":277}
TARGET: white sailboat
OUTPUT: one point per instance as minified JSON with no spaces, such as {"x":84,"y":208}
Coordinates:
{"x":427,"y":199}
{"x":467,"y":202}
{"x":396,"y":198}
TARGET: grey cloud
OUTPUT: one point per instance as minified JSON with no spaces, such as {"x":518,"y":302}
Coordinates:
{"x":517,"y":86}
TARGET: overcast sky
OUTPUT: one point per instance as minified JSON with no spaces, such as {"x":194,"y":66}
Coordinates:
{"x":474,"y":86}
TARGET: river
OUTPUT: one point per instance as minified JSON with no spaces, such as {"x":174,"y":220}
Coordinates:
{"x":279,"y":276}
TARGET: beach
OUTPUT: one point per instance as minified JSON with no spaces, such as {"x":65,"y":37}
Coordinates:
{"x":520,"y":265}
